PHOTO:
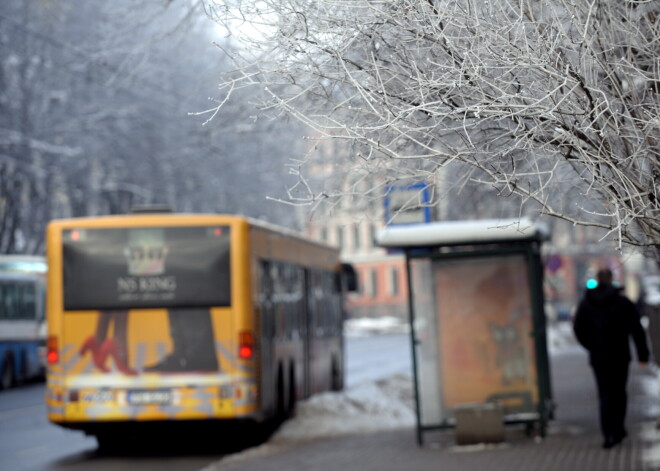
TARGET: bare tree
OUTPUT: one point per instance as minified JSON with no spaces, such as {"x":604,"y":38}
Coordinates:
{"x":538,"y":99}
{"x":95,"y":118}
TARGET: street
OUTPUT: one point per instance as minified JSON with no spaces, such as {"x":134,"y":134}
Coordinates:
{"x":28,"y":442}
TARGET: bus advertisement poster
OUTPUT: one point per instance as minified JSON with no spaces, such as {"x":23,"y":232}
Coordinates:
{"x":146,"y":267}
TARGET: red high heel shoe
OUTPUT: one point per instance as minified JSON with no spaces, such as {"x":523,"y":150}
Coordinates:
{"x":97,"y":353}
{"x":109,"y":349}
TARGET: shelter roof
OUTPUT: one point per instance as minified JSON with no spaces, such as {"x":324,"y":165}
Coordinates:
{"x":461,"y":232}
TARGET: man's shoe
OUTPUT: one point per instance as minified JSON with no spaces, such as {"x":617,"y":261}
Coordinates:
{"x":610,"y":443}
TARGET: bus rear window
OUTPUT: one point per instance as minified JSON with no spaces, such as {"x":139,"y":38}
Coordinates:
{"x":146,"y":267}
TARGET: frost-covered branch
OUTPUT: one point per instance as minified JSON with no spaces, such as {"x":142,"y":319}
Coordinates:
{"x":538,"y":96}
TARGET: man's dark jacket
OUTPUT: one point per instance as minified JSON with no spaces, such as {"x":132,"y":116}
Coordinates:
{"x":604,"y":322}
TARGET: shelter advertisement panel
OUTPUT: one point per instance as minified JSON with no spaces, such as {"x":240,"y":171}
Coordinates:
{"x":479,"y":335}
{"x":485,"y":330}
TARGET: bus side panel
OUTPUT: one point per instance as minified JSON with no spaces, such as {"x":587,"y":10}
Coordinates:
{"x":299,"y":322}
{"x":279,"y":299}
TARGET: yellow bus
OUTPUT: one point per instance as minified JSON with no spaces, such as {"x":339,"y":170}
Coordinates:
{"x":164,"y":319}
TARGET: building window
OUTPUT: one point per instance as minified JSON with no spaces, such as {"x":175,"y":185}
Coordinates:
{"x":362,"y":283}
{"x":373,"y":230}
{"x":373,"y":283}
{"x":324,"y":234}
{"x":356,"y":237}
{"x":394,"y":281}
{"x":340,"y":236}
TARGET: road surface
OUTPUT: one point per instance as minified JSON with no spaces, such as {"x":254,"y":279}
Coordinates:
{"x":28,"y":442}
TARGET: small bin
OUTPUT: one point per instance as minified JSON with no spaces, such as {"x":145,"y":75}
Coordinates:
{"x":479,"y":423}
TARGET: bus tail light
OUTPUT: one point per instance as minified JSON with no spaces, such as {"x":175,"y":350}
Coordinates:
{"x":245,"y":345}
{"x":52,"y":352}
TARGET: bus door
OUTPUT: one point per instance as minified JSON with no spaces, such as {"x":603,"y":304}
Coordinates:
{"x":267,"y":336}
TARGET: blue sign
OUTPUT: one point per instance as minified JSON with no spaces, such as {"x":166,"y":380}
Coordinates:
{"x":408,"y":204}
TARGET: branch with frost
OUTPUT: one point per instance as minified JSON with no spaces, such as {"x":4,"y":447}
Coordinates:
{"x":12,"y":137}
{"x":566,"y":83}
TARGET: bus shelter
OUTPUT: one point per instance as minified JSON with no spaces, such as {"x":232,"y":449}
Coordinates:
{"x":477,"y":320}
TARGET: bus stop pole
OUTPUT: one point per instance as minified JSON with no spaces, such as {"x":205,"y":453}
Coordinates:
{"x":539,"y":335}
{"x":413,"y":346}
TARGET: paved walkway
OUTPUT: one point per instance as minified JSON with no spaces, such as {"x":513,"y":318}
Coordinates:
{"x":573,"y":441}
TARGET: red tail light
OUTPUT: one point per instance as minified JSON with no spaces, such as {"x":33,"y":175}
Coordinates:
{"x":245,"y":345}
{"x":52,"y":352}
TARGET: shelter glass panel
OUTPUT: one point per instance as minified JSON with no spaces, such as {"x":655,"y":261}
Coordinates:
{"x":425,"y":326}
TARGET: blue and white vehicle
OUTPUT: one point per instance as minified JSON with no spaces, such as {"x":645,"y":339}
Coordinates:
{"x":22,"y":319}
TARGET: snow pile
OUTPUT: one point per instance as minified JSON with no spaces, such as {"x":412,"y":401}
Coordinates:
{"x":367,"y":326}
{"x":648,"y":401}
{"x":650,"y":436}
{"x":560,"y":337}
{"x":368,"y":407}
{"x":649,"y":381}
{"x":651,"y":285}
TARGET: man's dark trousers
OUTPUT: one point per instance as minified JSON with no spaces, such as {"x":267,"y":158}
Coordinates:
{"x":611,"y":379}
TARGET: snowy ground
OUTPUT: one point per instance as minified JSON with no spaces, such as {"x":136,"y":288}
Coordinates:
{"x":561,"y":339}
{"x":365,"y":326}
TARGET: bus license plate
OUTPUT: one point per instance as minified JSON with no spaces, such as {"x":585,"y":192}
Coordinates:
{"x":152,"y":396}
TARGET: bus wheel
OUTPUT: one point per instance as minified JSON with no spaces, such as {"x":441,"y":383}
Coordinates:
{"x":7,"y":380}
{"x":292,"y":392}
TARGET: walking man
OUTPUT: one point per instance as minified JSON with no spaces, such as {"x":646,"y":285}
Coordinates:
{"x":604,"y":323}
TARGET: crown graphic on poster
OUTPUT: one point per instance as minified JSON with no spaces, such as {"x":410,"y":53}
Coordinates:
{"x":146,"y":252}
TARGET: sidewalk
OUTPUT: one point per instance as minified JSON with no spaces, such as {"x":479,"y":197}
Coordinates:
{"x":573,"y":441}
